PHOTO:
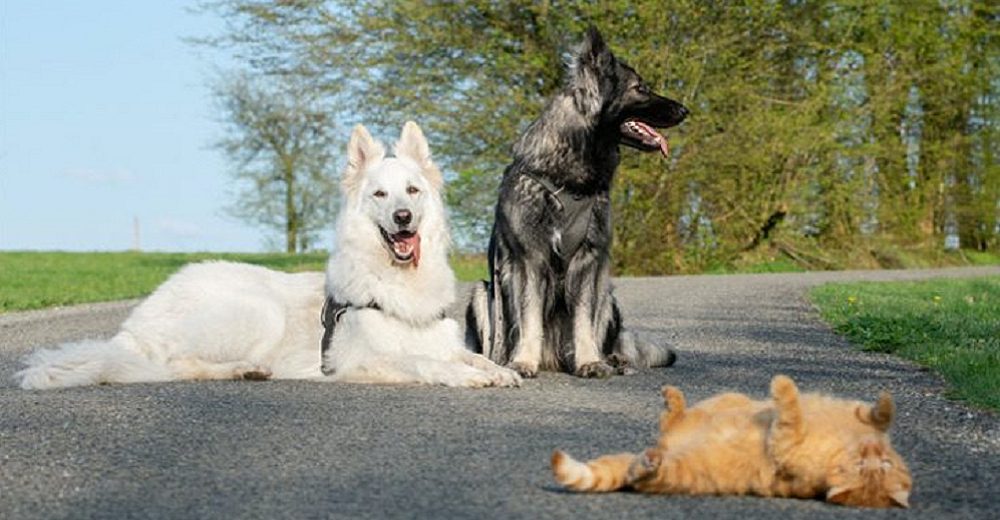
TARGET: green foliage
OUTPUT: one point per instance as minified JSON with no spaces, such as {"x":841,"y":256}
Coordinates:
{"x":951,"y":326}
{"x":826,"y":130}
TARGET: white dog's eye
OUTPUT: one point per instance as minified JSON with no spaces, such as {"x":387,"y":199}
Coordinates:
{"x":412,"y":190}
{"x":379,"y":194}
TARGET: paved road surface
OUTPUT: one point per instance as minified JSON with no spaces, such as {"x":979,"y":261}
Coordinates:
{"x":308,"y":450}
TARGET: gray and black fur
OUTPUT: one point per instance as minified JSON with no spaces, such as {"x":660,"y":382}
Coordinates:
{"x":548,"y":304}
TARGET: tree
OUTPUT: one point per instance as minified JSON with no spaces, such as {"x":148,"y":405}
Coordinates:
{"x":279,"y":141}
{"x":829,"y":132}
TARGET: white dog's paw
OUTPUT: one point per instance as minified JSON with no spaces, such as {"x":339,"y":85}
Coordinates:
{"x":249,"y":372}
{"x":471,"y":378}
{"x":505,"y":377}
{"x":524,"y":369}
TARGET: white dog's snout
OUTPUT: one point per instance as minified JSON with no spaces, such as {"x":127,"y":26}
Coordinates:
{"x":402,"y":217}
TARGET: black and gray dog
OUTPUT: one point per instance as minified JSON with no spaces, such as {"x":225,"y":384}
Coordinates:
{"x":548,"y":304}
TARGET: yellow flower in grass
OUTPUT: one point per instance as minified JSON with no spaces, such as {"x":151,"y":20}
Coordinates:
{"x":851,"y":300}
{"x":937,"y":299}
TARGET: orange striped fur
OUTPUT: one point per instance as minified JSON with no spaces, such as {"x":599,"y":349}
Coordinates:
{"x":792,"y":445}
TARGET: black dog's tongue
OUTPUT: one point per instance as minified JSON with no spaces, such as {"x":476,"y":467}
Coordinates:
{"x":653,"y":136}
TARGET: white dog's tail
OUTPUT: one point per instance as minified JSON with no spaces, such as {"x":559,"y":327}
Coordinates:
{"x":89,"y":362}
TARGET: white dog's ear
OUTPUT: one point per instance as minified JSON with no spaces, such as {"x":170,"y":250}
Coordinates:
{"x":413,"y":145}
{"x":362,"y":151}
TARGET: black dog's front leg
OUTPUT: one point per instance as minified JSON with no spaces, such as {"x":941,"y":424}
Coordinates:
{"x":588,"y":289}
{"x":528,"y":300}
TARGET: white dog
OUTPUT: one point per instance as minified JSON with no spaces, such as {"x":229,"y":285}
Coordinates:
{"x":388,"y":284}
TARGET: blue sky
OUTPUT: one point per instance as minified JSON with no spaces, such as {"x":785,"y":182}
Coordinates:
{"x":105,"y":117}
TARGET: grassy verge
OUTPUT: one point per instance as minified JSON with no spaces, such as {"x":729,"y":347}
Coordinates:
{"x":950,"y":326}
{"x":470,"y":267}
{"x":34,"y":280}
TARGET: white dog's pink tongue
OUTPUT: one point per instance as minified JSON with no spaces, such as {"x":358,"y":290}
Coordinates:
{"x":408,"y":245}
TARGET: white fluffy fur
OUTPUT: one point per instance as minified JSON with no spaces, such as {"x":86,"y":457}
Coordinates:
{"x":223,"y":320}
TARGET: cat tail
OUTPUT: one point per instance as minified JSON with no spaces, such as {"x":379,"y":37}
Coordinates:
{"x":607,"y":473}
{"x":89,"y":362}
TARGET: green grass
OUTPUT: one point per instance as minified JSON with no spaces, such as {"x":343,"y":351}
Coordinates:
{"x":767,"y":265}
{"x":470,"y":267}
{"x":950,"y":326}
{"x":980,"y":257}
{"x":35,"y":280}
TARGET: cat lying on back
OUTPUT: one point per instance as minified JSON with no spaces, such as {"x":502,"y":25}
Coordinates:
{"x":808,"y":446}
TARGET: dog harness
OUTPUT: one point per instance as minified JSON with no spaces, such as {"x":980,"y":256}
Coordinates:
{"x":576,"y":211}
{"x":332,"y":311}
{"x":329,"y":317}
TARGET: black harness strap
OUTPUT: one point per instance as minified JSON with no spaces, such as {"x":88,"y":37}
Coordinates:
{"x":329,"y":317}
{"x":576,"y":211}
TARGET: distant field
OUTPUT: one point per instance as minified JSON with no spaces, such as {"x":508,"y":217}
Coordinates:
{"x":34,"y":280}
{"x":950,"y":326}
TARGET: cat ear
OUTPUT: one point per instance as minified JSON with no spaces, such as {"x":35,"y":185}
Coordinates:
{"x":839,"y":494}
{"x":362,"y":151}
{"x":901,"y":498}
{"x":413,"y":145}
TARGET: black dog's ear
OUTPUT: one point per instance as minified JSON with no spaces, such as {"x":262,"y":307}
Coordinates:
{"x":594,"y":52}
{"x":592,"y":61}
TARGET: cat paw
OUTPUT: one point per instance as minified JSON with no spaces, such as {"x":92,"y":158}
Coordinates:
{"x":645,"y":465}
{"x":597,"y":369}
{"x":525,"y":370}
{"x":673,"y":398}
{"x":783,"y":388}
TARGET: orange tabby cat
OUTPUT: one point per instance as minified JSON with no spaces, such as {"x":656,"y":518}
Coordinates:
{"x":806,"y":446}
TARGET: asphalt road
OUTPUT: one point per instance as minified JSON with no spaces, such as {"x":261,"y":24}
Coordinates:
{"x":286,"y":449}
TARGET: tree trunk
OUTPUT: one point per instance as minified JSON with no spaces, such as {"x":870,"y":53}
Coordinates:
{"x":291,"y":215}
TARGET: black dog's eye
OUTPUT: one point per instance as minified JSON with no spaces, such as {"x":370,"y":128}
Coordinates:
{"x":642,"y":89}
{"x":412,"y":190}
{"x":379,"y":194}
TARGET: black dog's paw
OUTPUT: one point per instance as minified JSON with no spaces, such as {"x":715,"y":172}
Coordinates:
{"x":523,"y":369}
{"x":598,"y":369}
